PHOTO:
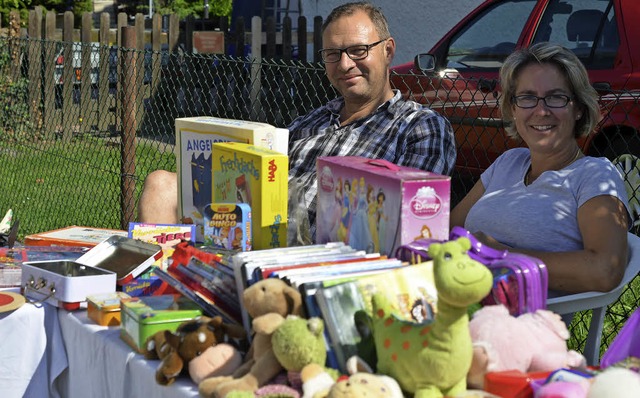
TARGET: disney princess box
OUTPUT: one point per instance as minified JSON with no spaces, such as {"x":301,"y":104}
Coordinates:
{"x":377,"y":206}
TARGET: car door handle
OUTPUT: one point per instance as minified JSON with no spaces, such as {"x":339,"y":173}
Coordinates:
{"x":602,"y":87}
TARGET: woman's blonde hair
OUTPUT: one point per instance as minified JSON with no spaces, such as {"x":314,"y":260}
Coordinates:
{"x":583,"y":94}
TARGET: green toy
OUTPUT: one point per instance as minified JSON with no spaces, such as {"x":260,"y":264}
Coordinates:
{"x":432,"y":359}
{"x":297,"y":342}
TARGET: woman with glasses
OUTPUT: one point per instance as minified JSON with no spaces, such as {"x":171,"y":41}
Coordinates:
{"x":549,"y":200}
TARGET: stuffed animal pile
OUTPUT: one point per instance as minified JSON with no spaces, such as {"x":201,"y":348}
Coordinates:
{"x":443,"y":356}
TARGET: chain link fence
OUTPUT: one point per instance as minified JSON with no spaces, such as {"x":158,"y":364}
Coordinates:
{"x":82,"y":126}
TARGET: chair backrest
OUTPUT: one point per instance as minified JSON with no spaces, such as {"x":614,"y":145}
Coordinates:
{"x":598,"y":302}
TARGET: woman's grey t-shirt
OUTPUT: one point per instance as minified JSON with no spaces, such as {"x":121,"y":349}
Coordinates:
{"x":543,"y":215}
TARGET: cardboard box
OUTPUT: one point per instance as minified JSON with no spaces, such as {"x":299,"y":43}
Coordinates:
{"x":142,"y":317}
{"x":245,"y":173}
{"x":195,"y":137}
{"x":228,"y":226}
{"x":72,"y":236}
{"x":377,"y":206}
{"x":167,"y":236}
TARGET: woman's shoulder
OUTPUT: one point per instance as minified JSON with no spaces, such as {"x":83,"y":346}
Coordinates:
{"x":515,"y":155}
{"x":596,"y":165}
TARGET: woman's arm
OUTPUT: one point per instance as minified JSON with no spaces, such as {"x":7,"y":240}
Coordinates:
{"x":459,"y":213}
{"x":600,"y":266}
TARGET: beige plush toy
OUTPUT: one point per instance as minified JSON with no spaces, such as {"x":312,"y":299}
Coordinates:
{"x":318,"y":383}
{"x":268,"y":302}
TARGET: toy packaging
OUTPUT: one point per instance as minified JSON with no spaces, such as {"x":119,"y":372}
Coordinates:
{"x":520,"y":282}
{"x":244,"y":173}
{"x":228,"y":226}
{"x":195,"y":137}
{"x":375,"y":205}
{"x":167,"y":236}
{"x":142,"y":317}
{"x":72,"y":236}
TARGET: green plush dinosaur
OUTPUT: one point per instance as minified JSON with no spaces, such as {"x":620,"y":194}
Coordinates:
{"x":432,"y":359}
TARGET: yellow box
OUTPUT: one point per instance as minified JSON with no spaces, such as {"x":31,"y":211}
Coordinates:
{"x":195,"y":137}
{"x":104,"y":309}
{"x":244,"y":173}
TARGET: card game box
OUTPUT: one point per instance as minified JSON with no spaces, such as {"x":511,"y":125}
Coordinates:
{"x":245,"y":173}
{"x":73,"y":235}
{"x":167,"y":236}
{"x":377,"y":206}
{"x":195,"y":137}
{"x":228,"y":226}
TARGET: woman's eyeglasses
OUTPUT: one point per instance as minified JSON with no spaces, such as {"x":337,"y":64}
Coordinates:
{"x":551,"y":101}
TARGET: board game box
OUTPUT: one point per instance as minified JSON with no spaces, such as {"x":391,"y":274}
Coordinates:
{"x":195,"y":137}
{"x":245,"y":173}
{"x":228,"y":226}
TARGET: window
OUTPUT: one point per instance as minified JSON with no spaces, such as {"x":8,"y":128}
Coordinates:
{"x":587,"y":27}
{"x":490,"y":37}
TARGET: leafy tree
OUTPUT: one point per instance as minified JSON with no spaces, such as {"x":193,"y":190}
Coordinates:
{"x":6,"y":6}
{"x":182,"y":8}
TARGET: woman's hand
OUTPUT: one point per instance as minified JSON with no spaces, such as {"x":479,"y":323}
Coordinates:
{"x":490,"y":241}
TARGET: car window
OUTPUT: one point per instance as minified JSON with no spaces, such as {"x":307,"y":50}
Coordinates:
{"x":587,"y":27}
{"x":487,"y":40}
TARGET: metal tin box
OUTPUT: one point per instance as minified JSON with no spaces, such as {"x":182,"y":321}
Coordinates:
{"x":127,"y":257}
{"x":104,"y":309}
{"x":64,"y":283}
{"x":142,"y":317}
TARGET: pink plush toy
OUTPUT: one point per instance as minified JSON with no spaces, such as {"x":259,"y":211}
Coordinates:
{"x":532,"y":342}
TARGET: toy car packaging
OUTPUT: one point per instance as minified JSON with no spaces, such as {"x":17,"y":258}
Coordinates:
{"x":377,"y":206}
{"x":245,"y":173}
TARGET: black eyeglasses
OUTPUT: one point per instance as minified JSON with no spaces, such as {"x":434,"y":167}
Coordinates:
{"x":551,"y":101}
{"x":357,"y":52}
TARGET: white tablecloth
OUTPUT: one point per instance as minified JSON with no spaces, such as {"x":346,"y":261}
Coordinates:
{"x":51,"y":352}
{"x":32,"y":353}
{"x":103,"y":365}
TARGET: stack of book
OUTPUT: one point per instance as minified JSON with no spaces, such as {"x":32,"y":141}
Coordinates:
{"x":336,"y":283}
{"x":211,"y":285}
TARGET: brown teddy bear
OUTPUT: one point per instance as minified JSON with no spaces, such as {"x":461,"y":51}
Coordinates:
{"x":268,"y":302}
{"x":192,"y":338}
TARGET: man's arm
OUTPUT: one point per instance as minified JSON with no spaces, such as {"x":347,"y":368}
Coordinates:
{"x":430,"y":144}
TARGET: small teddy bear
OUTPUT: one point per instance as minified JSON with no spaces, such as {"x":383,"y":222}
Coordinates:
{"x":268,"y":302}
{"x":319,"y":383}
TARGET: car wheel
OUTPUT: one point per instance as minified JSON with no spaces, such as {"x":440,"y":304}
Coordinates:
{"x":629,"y":166}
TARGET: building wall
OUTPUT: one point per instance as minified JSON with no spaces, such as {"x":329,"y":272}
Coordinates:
{"x":416,"y":25}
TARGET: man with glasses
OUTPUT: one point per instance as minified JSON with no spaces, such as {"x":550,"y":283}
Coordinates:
{"x":369,"y":119}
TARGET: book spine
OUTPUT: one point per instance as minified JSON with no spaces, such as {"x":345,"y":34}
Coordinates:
{"x":219,"y":295}
{"x":199,"y":295}
{"x":214,"y":275}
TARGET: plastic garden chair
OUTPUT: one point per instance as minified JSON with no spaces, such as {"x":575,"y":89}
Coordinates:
{"x":598,"y":302}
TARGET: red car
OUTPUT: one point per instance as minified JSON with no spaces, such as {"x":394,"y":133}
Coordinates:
{"x":459,"y":76}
